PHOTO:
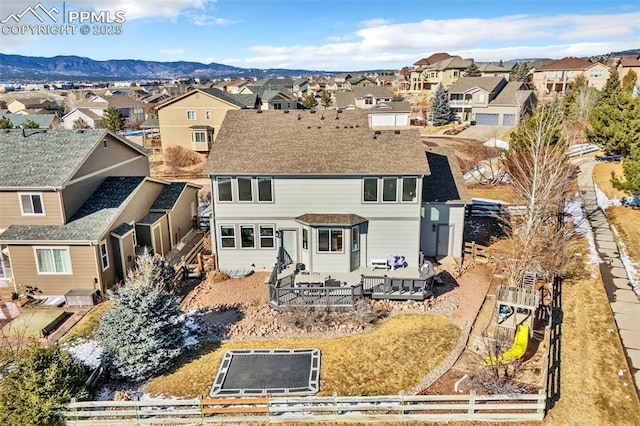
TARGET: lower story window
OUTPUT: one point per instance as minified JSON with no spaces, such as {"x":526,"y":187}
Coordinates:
{"x":104,"y":255}
{"x":305,"y":239}
{"x":247,"y":236}
{"x":227,"y":236}
{"x":267,"y":236}
{"x":53,"y":260}
{"x":330,"y":240}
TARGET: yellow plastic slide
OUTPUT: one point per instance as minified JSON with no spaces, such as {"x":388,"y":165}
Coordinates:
{"x":517,"y":350}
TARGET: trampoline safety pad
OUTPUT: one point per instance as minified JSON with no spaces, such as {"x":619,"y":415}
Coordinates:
{"x":254,"y":372}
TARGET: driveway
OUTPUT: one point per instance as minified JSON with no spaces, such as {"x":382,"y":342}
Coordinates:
{"x":484,"y":133}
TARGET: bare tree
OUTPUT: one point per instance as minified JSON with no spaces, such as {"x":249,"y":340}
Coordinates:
{"x":540,"y":175}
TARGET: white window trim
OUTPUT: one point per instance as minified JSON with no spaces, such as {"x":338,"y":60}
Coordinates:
{"x":382,"y":189}
{"x":218,"y":189}
{"x":221,"y":237}
{"x":304,"y":230}
{"x":105,"y":256}
{"x":30,"y":194}
{"x":195,"y":115}
{"x":377,"y":190}
{"x":329,"y":251}
{"x":35,"y":255}
{"x":415,"y":196}
{"x":253,"y":196}
{"x":273,"y":237}
{"x":246,"y":225}
{"x":199,"y":132}
{"x":257,"y":180}
{"x":207,"y":115}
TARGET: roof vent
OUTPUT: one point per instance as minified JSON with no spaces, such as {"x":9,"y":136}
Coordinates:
{"x":6,"y":131}
{"x":80,"y":131}
{"x":286,"y":111}
{"x":337,"y":127}
{"x":258,"y":111}
{"x":377,"y":132}
{"x":397,"y":132}
{"x":339,"y":111}
{"x":299,"y":116}
{"x":322,"y":117}
{"x":308,"y":127}
{"x":312,"y":111}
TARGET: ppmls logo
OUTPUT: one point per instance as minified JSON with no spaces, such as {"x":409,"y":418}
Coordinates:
{"x":53,"y":22}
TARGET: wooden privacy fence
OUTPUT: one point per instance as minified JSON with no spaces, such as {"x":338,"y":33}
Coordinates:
{"x":299,"y":409}
{"x":477,"y":252}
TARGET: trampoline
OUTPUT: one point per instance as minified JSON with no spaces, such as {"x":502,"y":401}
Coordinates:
{"x":255,"y":372}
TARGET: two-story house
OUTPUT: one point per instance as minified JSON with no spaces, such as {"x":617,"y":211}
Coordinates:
{"x":627,"y":64}
{"x":490,"y":101}
{"x":555,"y":79}
{"x":273,"y":93}
{"x":92,"y":110}
{"x":363,"y":97}
{"x":72,"y":204}
{"x":328,"y":189}
{"x":193,"y":120}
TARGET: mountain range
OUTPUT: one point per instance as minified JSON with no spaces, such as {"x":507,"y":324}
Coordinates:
{"x":18,"y":67}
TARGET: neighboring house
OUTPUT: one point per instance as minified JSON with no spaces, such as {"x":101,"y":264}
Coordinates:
{"x":273,"y":93}
{"x":193,"y":119}
{"x":492,"y":70}
{"x":363,"y":97}
{"x":390,"y":115}
{"x":490,"y":100}
{"x":300,"y":87}
{"x":445,"y":71}
{"x":555,"y":78}
{"x":71,"y":202}
{"x":329,"y":190}
{"x":44,"y":121}
{"x":360,"y":81}
{"x":129,"y":108}
{"x":17,"y":105}
{"x":626,"y":64}
{"x":339,"y":82}
{"x":88,"y":115}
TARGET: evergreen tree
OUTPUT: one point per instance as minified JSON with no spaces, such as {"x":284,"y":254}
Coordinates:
{"x":35,"y":381}
{"x":5,"y":123}
{"x":310,"y":101}
{"x":440,"y":110}
{"x":631,"y":172}
{"x":81,"y":124}
{"x":612,"y":85}
{"x":30,"y":124}
{"x":112,"y":120}
{"x":629,"y":81}
{"x":325,"y":99}
{"x":472,"y":71}
{"x":615,"y":123}
{"x":139,"y":332}
{"x":521,"y":72}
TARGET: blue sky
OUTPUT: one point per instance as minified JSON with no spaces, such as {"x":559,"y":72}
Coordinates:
{"x":327,"y":34}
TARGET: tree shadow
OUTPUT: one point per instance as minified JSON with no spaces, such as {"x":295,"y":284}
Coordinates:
{"x":216,"y":323}
{"x":445,"y":284}
{"x":555,"y":333}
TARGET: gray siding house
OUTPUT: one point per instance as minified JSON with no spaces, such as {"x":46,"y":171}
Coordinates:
{"x":331,"y":191}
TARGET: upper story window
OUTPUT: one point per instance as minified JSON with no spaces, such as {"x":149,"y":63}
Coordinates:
{"x":596,"y":74}
{"x":191,"y":115}
{"x":265,"y":189}
{"x":31,"y":204}
{"x":370,"y":192}
{"x":277,"y":105}
{"x":51,"y":260}
{"x":207,"y":115}
{"x":245,"y":192}
{"x":456,"y":73}
{"x":409,"y":187}
{"x":480,"y":97}
{"x":224,"y":189}
{"x":387,"y":189}
{"x":368,"y":100}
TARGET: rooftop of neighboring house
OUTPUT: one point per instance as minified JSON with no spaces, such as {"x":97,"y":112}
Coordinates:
{"x":393,"y":106}
{"x":464,"y":84}
{"x":491,"y":67}
{"x":629,"y":61}
{"x":310,"y":142}
{"x":241,"y":101}
{"x":537,"y":63}
{"x":85,"y":111}
{"x":514,"y":93}
{"x":375,"y":91}
{"x":445,"y":183}
{"x":435,"y":57}
{"x":170,"y":194}
{"x":47,"y":158}
{"x":32,"y":102}
{"x":44,"y":121}
{"x":453,"y":62}
{"x":567,"y":64}
{"x":276,"y":82}
{"x":90,"y":222}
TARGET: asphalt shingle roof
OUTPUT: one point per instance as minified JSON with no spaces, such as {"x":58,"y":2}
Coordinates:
{"x":150,"y":218}
{"x":303,"y":142}
{"x":46,"y":158}
{"x":463,"y":84}
{"x":242,"y":101}
{"x":91,"y":220}
{"x":445,"y":184}
{"x":169,"y":195}
{"x":569,"y":63}
{"x":122,"y":229}
{"x":512,"y":94}
{"x":43,"y":120}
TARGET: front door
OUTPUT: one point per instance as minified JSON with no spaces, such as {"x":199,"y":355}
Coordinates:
{"x":444,"y":240}
{"x":355,"y":248}
{"x":290,"y":245}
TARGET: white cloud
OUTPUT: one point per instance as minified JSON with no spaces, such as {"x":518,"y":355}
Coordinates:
{"x":172,"y":51}
{"x":375,"y":22}
{"x":203,"y":20}
{"x":381,"y":43}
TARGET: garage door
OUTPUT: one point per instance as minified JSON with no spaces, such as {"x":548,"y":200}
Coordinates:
{"x":487,"y":119}
{"x":509,"y":120}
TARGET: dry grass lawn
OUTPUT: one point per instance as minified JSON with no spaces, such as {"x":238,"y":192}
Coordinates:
{"x":602,"y":177}
{"x":392,"y":357}
{"x":88,"y":325}
{"x":502,"y":192}
{"x":627,"y":222}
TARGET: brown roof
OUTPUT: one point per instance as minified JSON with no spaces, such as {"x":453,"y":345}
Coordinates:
{"x":489,"y":84}
{"x":512,"y":94}
{"x":436,"y":57}
{"x":567,"y":64}
{"x":630,"y":61}
{"x":326,"y":219}
{"x":304,"y":142}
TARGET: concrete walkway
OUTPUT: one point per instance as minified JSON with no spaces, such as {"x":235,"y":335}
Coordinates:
{"x":624,"y":302}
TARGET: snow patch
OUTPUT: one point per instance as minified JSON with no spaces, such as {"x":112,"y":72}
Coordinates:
{"x":632,"y":267}
{"x":604,"y":202}
{"x":497,"y":143}
{"x":575,"y":207}
{"x":190,"y":326}
{"x":88,"y":352}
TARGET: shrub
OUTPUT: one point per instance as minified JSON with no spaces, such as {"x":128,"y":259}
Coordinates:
{"x":177,"y":156}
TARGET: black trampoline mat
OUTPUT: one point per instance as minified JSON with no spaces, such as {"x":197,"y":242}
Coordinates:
{"x":268,"y":371}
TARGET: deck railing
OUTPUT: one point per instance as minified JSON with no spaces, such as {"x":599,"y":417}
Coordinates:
{"x":285,"y":295}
